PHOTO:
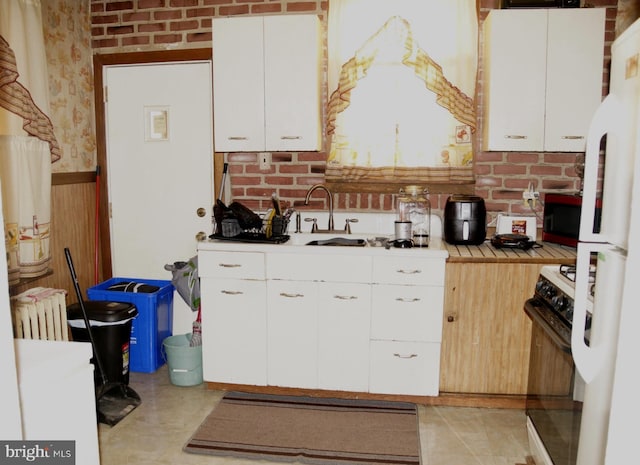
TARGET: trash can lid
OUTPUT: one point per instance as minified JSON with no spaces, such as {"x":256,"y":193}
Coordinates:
{"x":103,"y":310}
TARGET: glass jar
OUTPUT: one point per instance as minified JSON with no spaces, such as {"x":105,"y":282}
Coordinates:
{"x":412,"y":204}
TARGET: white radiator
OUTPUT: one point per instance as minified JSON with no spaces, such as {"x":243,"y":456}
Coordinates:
{"x":40,"y":313}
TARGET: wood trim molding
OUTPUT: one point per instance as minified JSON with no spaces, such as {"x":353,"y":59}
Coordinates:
{"x":99,"y":63}
{"x":79,"y":177}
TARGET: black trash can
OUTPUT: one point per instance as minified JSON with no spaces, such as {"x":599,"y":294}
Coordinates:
{"x":111,"y":328}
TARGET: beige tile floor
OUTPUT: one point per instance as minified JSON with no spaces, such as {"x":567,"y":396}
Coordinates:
{"x":155,"y":432}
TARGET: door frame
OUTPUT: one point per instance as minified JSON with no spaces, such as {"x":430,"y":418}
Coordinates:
{"x":99,"y":63}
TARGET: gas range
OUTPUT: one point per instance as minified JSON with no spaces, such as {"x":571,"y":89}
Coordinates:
{"x":553,"y":300}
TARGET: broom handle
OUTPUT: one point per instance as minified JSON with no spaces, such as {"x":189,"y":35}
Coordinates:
{"x":224,"y":178}
{"x":76,"y":286}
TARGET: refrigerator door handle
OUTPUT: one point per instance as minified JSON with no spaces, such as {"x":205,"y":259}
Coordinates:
{"x":604,"y":121}
{"x":588,"y":358}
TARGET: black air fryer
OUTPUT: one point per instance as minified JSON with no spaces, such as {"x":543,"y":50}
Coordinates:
{"x":465,"y":220}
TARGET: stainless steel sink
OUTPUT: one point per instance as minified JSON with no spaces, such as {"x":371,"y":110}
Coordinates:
{"x":339,"y":241}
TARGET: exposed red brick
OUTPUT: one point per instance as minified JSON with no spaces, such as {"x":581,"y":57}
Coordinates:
{"x":182,"y":3}
{"x":167,"y":38}
{"x":301,"y":6}
{"x":199,"y":37}
{"x":104,"y":19}
{"x":509,"y":169}
{"x":294,"y":169}
{"x":247,"y":180}
{"x":198,"y":12}
{"x":278,"y":180}
{"x":183,"y":25}
{"x":97,"y":31}
{"x":138,"y":40}
{"x":115,"y":30}
{"x":233,"y":10}
{"x":119,"y":6}
{"x":97,"y":7}
{"x":167,"y":15}
{"x":546,"y":170}
{"x":104,"y":43}
{"x":266,"y":8}
{"x":142,"y":4}
{"x":152,"y":27}
{"x":136,"y":16}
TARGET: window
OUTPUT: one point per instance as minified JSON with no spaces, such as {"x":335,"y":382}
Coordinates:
{"x":402,"y":79}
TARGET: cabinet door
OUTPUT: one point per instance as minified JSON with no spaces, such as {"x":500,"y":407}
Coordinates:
{"x":486,"y":334}
{"x":343,"y":336}
{"x":238,"y":84}
{"x":574,"y":76}
{"x":234,"y":323}
{"x":514,"y":79}
{"x":292,"y":82}
{"x":292,"y":334}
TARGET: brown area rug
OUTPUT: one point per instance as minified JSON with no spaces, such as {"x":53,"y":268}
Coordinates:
{"x":310,"y":430}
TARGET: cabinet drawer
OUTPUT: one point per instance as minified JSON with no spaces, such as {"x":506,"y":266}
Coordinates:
{"x":327,"y":267}
{"x":409,"y":270}
{"x":407,"y":313}
{"x":239,"y":265}
{"x":410,"y":368}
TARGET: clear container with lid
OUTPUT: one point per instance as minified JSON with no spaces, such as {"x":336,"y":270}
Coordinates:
{"x":412,"y":204}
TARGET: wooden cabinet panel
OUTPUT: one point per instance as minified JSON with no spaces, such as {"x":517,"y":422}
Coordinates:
{"x":486,"y":334}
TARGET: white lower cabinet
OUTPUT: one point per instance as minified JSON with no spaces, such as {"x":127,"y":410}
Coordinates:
{"x":234,"y":319}
{"x":292,"y":334}
{"x":307,"y":321}
{"x":344,"y":311}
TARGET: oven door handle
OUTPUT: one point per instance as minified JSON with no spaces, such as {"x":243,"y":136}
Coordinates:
{"x":588,"y":358}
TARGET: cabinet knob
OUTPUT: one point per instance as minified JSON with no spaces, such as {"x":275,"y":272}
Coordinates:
{"x":201,"y":212}
{"x":201,"y":236}
{"x":451,"y":318}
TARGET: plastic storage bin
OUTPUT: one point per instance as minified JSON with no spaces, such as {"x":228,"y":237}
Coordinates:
{"x":153,"y":323}
{"x":111,"y":328}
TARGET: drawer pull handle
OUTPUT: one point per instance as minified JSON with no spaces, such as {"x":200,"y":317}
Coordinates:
{"x":405,"y":356}
{"x":229,"y":265}
{"x":290,"y":137}
{"x":224,"y":291}
{"x":345,"y":297}
{"x":514,"y":136}
{"x":572,"y":137}
{"x":291,"y":296}
{"x":237,"y":138}
{"x":409,"y":271}
{"x":407,"y":299}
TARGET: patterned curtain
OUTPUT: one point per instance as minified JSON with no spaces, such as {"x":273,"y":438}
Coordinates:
{"x":27,"y":142}
{"x":402,"y":78}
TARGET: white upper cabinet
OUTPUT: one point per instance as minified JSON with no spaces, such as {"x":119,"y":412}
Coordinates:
{"x":542,"y":78}
{"x":267,"y":83}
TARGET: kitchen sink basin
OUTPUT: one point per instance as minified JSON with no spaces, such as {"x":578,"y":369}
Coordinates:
{"x":339,"y":241}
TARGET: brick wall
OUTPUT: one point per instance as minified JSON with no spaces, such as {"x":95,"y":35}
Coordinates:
{"x":145,"y":25}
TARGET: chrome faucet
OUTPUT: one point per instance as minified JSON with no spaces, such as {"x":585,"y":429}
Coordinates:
{"x":330,"y":227}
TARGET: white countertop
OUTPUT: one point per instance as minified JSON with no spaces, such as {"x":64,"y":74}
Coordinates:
{"x":381,"y":224}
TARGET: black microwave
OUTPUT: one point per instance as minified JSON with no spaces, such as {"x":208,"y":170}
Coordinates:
{"x":561,"y":218}
{"x":540,"y":4}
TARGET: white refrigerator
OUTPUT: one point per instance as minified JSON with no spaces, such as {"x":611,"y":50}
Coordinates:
{"x":615,"y":124}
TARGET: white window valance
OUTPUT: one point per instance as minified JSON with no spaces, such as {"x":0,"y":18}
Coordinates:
{"x":402,"y":79}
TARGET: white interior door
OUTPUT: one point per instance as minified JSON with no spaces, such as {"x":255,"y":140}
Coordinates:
{"x":160,"y":168}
